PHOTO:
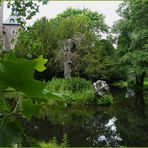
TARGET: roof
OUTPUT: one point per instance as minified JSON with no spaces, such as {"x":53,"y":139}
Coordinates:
{"x":11,"y":20}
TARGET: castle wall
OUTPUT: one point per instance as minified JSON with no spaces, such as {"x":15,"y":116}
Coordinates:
{"x":1,"y":18}
{"x":8,"y":31}
{"x":10,"y":36}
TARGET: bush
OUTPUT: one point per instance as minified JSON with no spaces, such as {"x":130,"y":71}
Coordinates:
{"x":77,"y":90}
{"x":106,"y":99}
{"x":73,"y":90}
{"x":78,"y":84}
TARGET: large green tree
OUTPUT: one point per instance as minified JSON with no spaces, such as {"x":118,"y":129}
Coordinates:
{"x":132,"y":41}
{"x":48,"y":36}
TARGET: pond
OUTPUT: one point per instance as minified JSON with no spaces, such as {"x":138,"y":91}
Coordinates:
{"x":124,"y":123}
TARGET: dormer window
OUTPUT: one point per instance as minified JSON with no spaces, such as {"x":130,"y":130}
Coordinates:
{"x":11,"y":20}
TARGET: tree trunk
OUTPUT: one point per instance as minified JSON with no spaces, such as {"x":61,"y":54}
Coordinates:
{"x":140,"y":82}
{"x":139,"y":89}
{"x":67,"y":52}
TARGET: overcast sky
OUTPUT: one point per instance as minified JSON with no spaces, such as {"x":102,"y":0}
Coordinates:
{"x":108,"y":8}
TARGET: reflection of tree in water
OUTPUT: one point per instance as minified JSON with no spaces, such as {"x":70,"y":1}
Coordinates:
{"x":123,"y":123}
{"x":83,"y":127}
{"x":105,"y":132}
{"x":132,"y":119}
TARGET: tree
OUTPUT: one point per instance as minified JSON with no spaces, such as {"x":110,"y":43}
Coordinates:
{"x":48,"y":37}
{"x":24,"y":10}
{"x":95,"y":20}
{"x":40,"y":39}
{"x":132,"y":39}
{"x":97,"y":63}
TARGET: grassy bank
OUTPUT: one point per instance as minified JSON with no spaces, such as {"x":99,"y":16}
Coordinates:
{"x":77,"y":90}
{"x":123,"y":84}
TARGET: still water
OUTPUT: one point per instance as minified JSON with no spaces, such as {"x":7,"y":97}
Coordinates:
{"x":124,"y":123}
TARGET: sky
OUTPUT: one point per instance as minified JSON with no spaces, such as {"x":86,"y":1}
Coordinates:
{"x":108,"y":8}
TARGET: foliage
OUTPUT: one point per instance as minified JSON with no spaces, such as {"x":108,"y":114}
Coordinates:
{"x":106,"y":99}
{"x":92,"y":58}
{"x":25,"y":10}
{"x":74,"y":90}
{"x":53,"y":143}
{"x":77,"y":91}
{"x":146,"y":84}
{"x":21,"y":76}
{"x":26,"y":95}
{"x":95,"y":20}
{"x":120,"y":84}
{"x":10,"y":133}
{"x":50,"y":145}
{"x":123,"y":84}
{"x":132,"y":37}
{"x":65,"y":142}
{"x":97,"y":63}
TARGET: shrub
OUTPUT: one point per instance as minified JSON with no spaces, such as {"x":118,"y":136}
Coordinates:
{"x":106,"y":99}
{"x":76,"y":90}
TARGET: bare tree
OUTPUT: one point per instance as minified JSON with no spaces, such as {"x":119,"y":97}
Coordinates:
{"x":67,"y":47}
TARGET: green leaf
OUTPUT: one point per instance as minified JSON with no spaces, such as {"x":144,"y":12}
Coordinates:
{"x":10,"y":133}
{"x":18,"y":74}
{"x":29,"y":109}
{"x":4,"y":106}
{"x":40,"y":63}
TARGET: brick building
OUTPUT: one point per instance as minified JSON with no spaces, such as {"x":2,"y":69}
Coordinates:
{"x":8,"y":30}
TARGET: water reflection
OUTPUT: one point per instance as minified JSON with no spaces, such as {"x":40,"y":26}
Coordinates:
{"x":114,"y":137}
{"x":129,"y":93}
{"x":120,"y":124}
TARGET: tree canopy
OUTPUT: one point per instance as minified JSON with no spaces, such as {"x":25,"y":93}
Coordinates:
{"x":132,"y":33}
{"x":47,"y":36}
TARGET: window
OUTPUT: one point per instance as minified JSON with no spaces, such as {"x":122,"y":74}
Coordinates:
{"x":13,"y":32}
{"x":11,"y":20}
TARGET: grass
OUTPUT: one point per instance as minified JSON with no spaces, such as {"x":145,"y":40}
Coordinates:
{"x":75,"y":91}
